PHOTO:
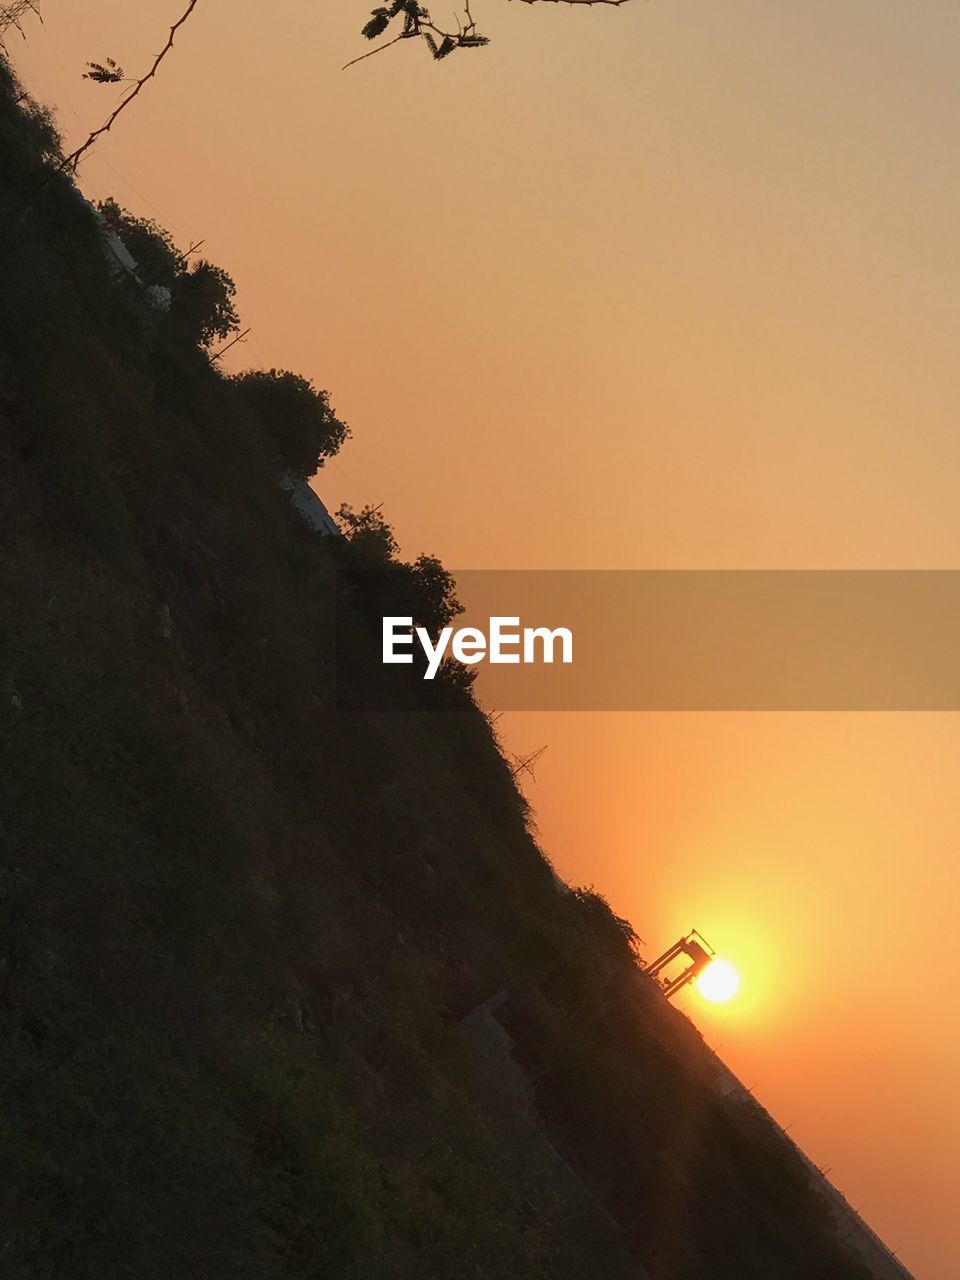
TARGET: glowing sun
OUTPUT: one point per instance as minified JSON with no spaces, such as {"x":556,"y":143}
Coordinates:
{"x":719,"y":981}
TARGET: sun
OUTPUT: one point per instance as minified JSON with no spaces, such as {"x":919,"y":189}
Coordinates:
{"x":719,"y":981}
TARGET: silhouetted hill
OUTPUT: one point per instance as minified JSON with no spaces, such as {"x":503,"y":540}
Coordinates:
{"x":287,"y":992}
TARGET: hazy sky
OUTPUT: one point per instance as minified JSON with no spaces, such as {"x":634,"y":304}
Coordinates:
{"x":670,"y":285}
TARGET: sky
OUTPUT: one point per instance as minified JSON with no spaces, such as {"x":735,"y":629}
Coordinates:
{"x":670,"y":285}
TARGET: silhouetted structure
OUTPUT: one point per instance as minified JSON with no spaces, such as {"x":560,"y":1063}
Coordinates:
{"x":697,"y":950}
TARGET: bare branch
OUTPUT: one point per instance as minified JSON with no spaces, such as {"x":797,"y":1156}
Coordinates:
{"x":184,"y":256}
{"x":72,"y":161}
{"x":12,"y":15}
{"x":241,"y":337}
{"x":370,"y":52}
{"x":526,"y":764}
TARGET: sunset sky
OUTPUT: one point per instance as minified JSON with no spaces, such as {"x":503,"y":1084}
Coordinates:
{"x":673,"y":285}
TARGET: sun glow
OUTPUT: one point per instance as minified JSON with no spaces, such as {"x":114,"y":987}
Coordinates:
{"x":719,"y":981}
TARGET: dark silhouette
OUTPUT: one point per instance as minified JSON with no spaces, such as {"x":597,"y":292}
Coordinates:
{"x":295,"y":415}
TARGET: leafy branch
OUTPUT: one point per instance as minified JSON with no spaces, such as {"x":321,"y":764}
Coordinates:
{"x":108,"y":72}
{"x":416,"y":23}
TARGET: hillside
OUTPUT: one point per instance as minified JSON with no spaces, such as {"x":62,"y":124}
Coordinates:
{"x":288,"y":990}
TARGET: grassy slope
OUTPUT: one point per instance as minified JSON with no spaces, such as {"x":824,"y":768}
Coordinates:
{"x":236,"y":929}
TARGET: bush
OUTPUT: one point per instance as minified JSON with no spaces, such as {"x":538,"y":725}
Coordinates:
{"x":295,"y":415}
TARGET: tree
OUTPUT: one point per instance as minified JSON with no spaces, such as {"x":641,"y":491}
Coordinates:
{"x":434,"y":596}
{"x":158,"y":259}
{"x":424,"y":590}
{"x":370,"y":536}
{"x":203,"y":303}
{"x":202,"y":295}
{"x":36,"y":137}
{"x":295,"y":415}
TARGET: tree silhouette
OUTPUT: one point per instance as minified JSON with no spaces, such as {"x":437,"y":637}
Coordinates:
{"x":371,"y":537}
{"x":434,"y":603}
{"x":158,"y":259}
{"x":203,"y":304}
{"x":202,"y":295}
{"x":423,"y":589}
{"x":295,"y":415}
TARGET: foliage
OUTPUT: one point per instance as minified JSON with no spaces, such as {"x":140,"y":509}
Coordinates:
{"x":203,"y":303}
{"x":414,"y":22}
{"x":158,"y":259}
{"x":409,"y":19}
{"x":295,"y":415}
{"x":612,"y":931}
{"x":422,"y":590}
{"x":437,"y":604}
{"x":33,"y":132}
{"x":202,"y":294}
{"x":106,"y":72}
{"x":371,"y":537}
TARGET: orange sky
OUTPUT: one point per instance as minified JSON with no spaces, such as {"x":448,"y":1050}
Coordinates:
{"x":671,"y":285}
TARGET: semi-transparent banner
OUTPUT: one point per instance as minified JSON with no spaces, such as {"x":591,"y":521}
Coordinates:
{"x":668,"y":640}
